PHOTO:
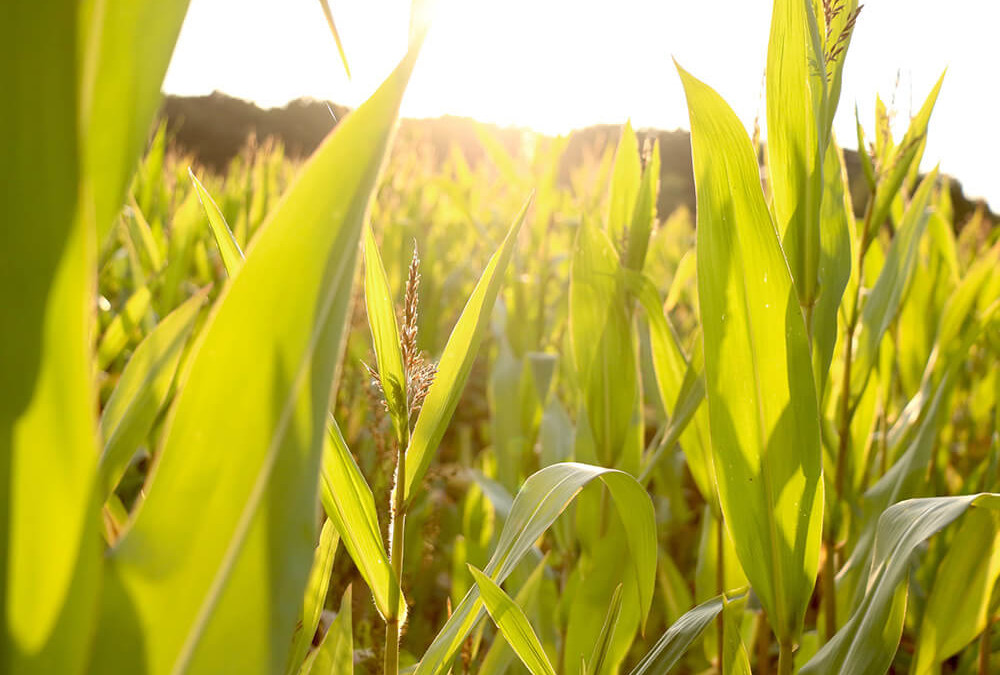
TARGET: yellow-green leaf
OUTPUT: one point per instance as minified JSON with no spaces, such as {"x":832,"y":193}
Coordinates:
{"x":761,"y":397}
{"x":514,"y":625}
{"x":385,"y":335}
{"x":244,"y":442}
{"x":232,"y":256}
{"x":456,"y":362}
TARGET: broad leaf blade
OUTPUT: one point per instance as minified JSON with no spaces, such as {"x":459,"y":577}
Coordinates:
{"x":514,"y":625}
{"x":48,"y":430}
{"x":456,"y":362}
{"x":625,"y":182}
{"x":761,"y":397}
{"x":236,"y":554}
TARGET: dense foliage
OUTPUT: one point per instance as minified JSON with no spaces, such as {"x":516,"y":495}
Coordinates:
{"x":385,"y":410}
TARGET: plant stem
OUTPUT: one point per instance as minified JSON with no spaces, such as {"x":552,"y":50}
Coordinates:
{"x":391,"y":663}
{"x":763,"y":645}
{"x":786,"y":657}
{"x":983,"y":662}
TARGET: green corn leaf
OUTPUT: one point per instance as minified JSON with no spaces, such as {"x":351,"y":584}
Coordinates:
{"x":335,"y":655}
{"x":235,"y":556}
{"x":185,"y":231}
{"x":602,"y":342}
{"x":142,"y":238}
{"x":142,"y":390}
{"x":500,"y":655}
{"x":867,"y":642}
{"x":385,"y":335}
{"x":456,"y":362}
{"x":349,"y":503}
{"x":957,"y":609}
{"x":126,"y":47}
{"x":867,"y":169}
{"x":541,"y":499}
{"x":761,"y":397}
{"x":514,"y":625}
{"x":118,"y":333}
{"x":886,"y":296}
{"x":625,"y":185}
{"x":673,"y":644}
{"x":315,"y":597}
{"x":336,"y":35}
{"x":836,"y":226}
{"x":900,"y":158}
{"x":682,"y":386}
{"x":49,"y":569}
{"x":644,"y":214}
{"x":603,"y":644}
{"x":734,"y":653}
{"x":232,"y":256}
{"x":796,"y":99}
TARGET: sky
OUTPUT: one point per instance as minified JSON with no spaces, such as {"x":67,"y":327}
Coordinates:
{"x":557,"y":65}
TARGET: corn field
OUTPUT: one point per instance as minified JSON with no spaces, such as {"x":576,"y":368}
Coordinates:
{"x":384,"y":412}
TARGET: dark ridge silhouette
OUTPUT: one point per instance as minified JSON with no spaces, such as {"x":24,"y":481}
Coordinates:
{"x":216,"y":127}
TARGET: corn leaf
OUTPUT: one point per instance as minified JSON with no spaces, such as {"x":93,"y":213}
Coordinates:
{"x":335,"y":655}
{"x":734,"y":653}
{"x":644,"y":214}
{"x":500,"y":655}
{"x":761,"y":397}
{"x":514,"y":625}
{"x":796,"y":99}
{"x":836,"y":226}
{"x":315,"y":597}
{"x":232,"y":256}
{"x":142,"y":390}
{"x":349,"y":503}
{"x":867,"y":642}
{"x":885,"y":298}
{"x":235,"y":555}
{"x":673,"y":644}
{"x":336,"y":35}
{"x":541,"y":499}
{"x":456,"y":362}
{"x":625,"y":184}
{"x":604,"y":639}
{"x":602,"y":342}
{"x":124,"y":52}
{"x":957,"y":609}
{"x":118,"y":333}
{"x":385,"y":335}
{"x":49,"y":569}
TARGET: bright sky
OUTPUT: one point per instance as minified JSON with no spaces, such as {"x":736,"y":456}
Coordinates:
{"x":556,"y":65}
